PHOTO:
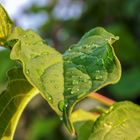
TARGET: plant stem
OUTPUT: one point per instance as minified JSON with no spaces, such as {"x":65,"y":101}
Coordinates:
{"x":101,"y":98}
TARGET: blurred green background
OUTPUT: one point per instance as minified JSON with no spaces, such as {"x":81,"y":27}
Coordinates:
{"x":62,"y":23}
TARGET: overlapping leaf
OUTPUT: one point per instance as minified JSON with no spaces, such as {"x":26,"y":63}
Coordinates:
{"x":119,"y":123}
{"x":5,"y":25}
{"x":13,"y":101}
{"x":88,"y":66}
{"x":42,"y":65}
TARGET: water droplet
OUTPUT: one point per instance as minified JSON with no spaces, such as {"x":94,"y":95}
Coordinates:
{"x":61,"y":105}
{"x":27,"y":72}
{"x":98,"y":77}
{"x":77,"y":89}
{"x":66,"y":105}
{"x":97,"y":71}
{"x":50,"y":99}
{"x":72,"y":92}
{"x":61,"y":118}
{"x":74,"y":82}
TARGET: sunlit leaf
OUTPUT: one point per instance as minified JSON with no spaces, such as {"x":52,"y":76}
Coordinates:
{"x":5,"y":25}
{"x":42,"y":65}
{"x":121,"y":122}
{"x":13,"y":101}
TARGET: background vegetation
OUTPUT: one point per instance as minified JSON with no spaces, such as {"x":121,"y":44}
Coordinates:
{"x":66,"y":22}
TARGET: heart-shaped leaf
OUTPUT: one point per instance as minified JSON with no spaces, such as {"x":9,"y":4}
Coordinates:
{"x":13,"y":101}
{"x":42,"y":65}
{"x":88,"y":66}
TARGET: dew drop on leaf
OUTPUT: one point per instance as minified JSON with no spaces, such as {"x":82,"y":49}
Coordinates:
{"x":61,"y":118}
{"x":72,"y":92}
{"x":98,"y":77}
{"x":66,"y":105}
{"x":27,"y":72}
{"x":50,"y":99}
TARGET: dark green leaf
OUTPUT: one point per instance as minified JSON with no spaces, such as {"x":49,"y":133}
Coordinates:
{"x":88,"y":66}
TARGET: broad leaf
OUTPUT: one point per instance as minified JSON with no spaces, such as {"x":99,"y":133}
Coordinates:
{"x":42,"y":65}
{"x":13,"y":101}
{"x":121,"y":122}
{"x":88,"y":66}
{"x":5,"y":25}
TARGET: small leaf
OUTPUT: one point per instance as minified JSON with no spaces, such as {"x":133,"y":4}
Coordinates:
{"x":83,"y":129}
{"x":88,"y":66}
{"x":42,"y":65}
{"x":13,"y":101}
{"x":121,"y":122}
{"x":5,"y":25}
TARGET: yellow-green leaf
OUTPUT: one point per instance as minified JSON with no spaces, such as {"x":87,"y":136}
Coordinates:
{"x":5,"y":25}
{"x":13,"y":101}
{"x":42,"y":65}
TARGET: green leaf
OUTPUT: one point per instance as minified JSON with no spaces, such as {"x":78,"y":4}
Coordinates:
{"x":83,"y":123}
{"x":42,"y":128}
{"x":88,"y":66}
{"x":120,"y":122}
{"x":5,"y":25}
{"x":13,"y":101}
{"x":83,"y":129}
{"x":123,"y":48}
{"x":5,"y":64}
{"x":42,"y":65}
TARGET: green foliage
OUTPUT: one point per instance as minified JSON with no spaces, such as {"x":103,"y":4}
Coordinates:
{"x":44,"y":129}
{"x":5,"y":63}
{"x":119,"y":122}
{"x":13,"y":101}
{"x":88,"y":66}
{"x":42,"y":65}
{"x":121,"y":90}
{"x":5,"y":25}
{"x":64,"y":80}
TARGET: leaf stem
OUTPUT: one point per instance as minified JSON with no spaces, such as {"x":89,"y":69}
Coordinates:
{"x":101,"y":98}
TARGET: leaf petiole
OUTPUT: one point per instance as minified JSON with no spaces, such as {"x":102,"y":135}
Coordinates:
{"x":106,"y":101}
